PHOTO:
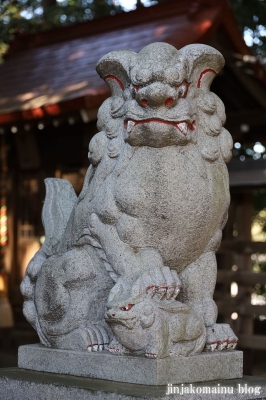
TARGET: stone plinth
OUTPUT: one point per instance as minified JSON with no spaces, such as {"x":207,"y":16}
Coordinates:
{"x":131,"y":368}
{"x":19,"y":384}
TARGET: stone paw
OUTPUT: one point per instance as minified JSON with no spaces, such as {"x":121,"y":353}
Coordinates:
{"x":117,"y":348}
{"x":220,"y":337}
{"x":151,"y":355}
{"x":160,"y":282}
{"x":92,"y":338}
{"x":97,"y":337}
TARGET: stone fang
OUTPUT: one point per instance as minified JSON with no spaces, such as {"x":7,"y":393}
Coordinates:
{"x":183,"y":127}
{"x":130,"y":125}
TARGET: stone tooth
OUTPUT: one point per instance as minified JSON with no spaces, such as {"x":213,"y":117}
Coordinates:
{"x":183,"y":127}
{"x":130,"y":125}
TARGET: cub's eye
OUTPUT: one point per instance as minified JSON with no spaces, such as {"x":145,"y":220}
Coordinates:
{"x":136,"y":88}
{"x":182,"y":89}
{"x":127,"y":308}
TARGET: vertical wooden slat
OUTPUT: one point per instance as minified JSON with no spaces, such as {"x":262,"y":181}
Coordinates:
{"x":226,"y":260}
{"x":243,"y":261}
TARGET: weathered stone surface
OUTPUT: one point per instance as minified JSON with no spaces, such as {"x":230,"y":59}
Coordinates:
{"x":19,"y":384}
{"x":129,"y":266}
{"x":131,"y":368}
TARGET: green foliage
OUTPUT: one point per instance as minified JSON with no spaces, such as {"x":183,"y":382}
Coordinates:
{"x":259,"y":204}
{"x":259,"y":265}
{"x":251,"y":18}
{"x":27,"y":16}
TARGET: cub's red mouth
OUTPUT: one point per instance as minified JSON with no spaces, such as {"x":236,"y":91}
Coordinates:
{"x":182,"y":126}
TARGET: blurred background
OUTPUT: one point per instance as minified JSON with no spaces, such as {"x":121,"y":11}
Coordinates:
{"x":49,"y":97}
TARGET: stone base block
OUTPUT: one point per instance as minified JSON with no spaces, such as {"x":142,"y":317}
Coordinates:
{"x":133,"y":369}
{"x":19,"y":384}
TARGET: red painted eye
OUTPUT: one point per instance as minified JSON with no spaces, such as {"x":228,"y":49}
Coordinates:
{"x":136,"y":88}
{"x":144,"y":103}
{"x":169,"y":101}
{"x":127,"y":308}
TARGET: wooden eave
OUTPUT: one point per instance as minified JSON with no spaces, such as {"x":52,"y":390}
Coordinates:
{"x":178,"y":23}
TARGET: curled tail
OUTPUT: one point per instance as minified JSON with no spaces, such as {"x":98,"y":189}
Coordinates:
{"x":59,"y":202}
{"x":58,"y":205}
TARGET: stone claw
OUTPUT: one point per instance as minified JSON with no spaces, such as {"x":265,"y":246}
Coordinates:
{"x":162,"y":283}
{"x":116,"y":347}
{"x":176,"y":291}
{"x":161,"y":292}
{"x":220,"y":337}
{"x":113,"y":350}
{"x":150,"y":291}
{"x":222,"y":345}
{"x":151,"y":355}
{"x":211,"y":346}
{"x":231,"y":345}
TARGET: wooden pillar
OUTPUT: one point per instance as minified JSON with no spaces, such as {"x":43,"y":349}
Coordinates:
{"x":6,"y":316}
{"x":225,"y":261}
{"x":243,"y":261}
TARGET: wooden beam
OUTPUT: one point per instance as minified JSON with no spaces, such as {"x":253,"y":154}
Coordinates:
{"x":257,"y":342}
{"x":250,"y":117}
{"x":241,"y":277}
{"x":53,"y":110}
{"x":225,"y":308}
{"x":242,"y":246}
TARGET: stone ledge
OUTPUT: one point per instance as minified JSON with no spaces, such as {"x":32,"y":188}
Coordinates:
{"x":131,"y":368}
{"x":19,"y":384}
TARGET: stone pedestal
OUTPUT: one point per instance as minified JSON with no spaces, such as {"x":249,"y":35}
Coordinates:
{"x":131,"y":368}
{"x":19,"y":384}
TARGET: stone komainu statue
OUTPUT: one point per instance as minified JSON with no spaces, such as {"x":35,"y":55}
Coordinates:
{"x":145,"y":228}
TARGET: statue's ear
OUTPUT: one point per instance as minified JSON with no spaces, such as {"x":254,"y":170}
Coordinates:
{"x":114,"y":69}
{"x":202,"y":63}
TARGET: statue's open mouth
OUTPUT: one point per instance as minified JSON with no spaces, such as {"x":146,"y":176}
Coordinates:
{"x":182,"y":126}
{"x":129,"y":322}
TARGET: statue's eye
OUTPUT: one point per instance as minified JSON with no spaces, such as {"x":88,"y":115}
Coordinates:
{"x":136,"y":88}
{"x":182,"y":89}
{"x":127,"y":308}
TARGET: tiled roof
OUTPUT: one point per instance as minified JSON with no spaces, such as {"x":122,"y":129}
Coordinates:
{"x":45,"y":73}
